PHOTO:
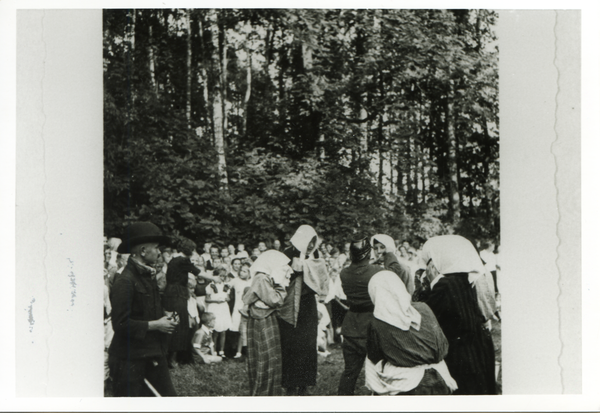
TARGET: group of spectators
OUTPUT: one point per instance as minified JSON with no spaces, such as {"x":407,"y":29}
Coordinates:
{"x":281,"y":306}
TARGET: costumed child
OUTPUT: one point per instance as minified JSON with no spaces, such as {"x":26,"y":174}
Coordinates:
{"x":239,"y":284}
{"x":217,"y":297}
{"x":203,"y":343}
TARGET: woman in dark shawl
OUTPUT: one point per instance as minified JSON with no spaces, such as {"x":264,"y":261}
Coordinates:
{"x":175,"y":299}
{"x":405,"y":344}
{"x":299,"y":319}
{"x":453,"y":268}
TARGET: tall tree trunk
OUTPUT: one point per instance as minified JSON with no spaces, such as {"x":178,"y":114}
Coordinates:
{"x":132,"y":33}
{"x":223,"y":49}
{"x":408,"y":167}
{"x":151,"y":58}
{"x":130,"y":62}
{"x":380,"y":152}
{"x":248,"y":92}
{"x":453,"y":194}
{"x":203,"y":62}
{"x":268,"y":49}
{"x":217,"y":105}
{"x":188,"y":96}
{"x":364,"y":131}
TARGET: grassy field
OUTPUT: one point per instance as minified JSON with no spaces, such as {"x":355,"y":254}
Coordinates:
{"x":230,"y":378}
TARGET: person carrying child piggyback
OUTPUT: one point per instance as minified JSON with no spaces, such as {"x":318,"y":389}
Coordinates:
{"x":217,"y":296}
{"x":202,"y":342}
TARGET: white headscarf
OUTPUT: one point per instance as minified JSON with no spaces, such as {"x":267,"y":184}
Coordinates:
{"x":304,"y":234}
{"x":392,"y":301}
{"x":386,"y":240}
{"x":269,"y":262}
{"x":451,"y":254}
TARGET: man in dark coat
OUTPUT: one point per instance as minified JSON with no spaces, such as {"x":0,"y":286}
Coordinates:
{"x":137,"y":354}
{"x":355,"y":283}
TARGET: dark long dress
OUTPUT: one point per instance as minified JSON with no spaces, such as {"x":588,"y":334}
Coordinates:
{"x":175,"y":298}
{"x":470,"y":356}
{"x":299,"y":344}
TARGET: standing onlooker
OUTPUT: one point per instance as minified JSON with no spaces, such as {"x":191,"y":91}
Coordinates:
{"x":262,"y":247}
{"x":225,"y":257}
{"x":139,"y":346}
{"x":236,"y":266}
{"x":277,"y":245}
{"x":206,"y":252}
{"x":231,"y":250}
{"x":175,"y":298}
{"x":489,"y":260}
{"x":242,"y":253}
{"x":270,"y":276}
{"x":217,"y":298}
{"x":239,"y":284}
{"x":355,"y":283}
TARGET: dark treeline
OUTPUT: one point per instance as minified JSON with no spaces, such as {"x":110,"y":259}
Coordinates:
{"x":240,"y":125}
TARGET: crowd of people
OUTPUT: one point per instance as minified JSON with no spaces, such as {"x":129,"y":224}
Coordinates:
{"x":416,"y":317}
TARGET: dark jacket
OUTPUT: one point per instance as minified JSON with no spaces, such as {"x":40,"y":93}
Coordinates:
{"x":355,"y":283}
{"x":135,"y":301}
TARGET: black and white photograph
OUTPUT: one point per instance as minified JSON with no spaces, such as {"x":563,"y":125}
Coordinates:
{"x":300,"y":201}
{"x":334,"y":143}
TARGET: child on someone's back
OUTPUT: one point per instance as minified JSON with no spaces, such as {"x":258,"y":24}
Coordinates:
{"x":217,"y":296}
{"x":202,"y":342}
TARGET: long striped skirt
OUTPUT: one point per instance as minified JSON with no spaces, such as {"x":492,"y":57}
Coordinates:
{"x":264,"y":357}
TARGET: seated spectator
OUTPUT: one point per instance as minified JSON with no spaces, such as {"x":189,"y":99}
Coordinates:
{"x":202,"y":342}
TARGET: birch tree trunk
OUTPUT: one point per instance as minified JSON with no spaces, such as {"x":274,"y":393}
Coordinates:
{"x":217,"y":105}
{"x":188,"y":95}
{"x":223,"y":49}
{"x":248,"y":91}
{"x":202,"y":63}
{"x":151,"y":57}
{"x":453,"y":194}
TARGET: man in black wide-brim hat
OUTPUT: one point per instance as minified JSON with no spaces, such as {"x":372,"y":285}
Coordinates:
{"x":137,"y":354}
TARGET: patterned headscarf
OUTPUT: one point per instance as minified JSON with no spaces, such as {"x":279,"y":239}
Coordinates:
{"x":392,"y":301}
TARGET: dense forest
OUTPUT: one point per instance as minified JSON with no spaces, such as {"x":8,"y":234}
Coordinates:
{"x":238,"y":125}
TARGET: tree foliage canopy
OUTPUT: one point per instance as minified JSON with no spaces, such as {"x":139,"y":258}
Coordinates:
{"x":240,"y":125}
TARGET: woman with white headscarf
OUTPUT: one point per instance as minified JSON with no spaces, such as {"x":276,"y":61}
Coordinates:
{"x":384,"y":249}
{"x":453,"y":268}
{"x":405,"y":344}
{"x":299,"y":318}
{"x":270,"y":275}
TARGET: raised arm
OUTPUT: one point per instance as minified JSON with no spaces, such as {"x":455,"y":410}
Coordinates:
{"x":390,"y":262}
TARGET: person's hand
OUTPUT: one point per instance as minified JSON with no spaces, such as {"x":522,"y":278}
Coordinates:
{"x":165,"y":325}
{"x":297,"y":264}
